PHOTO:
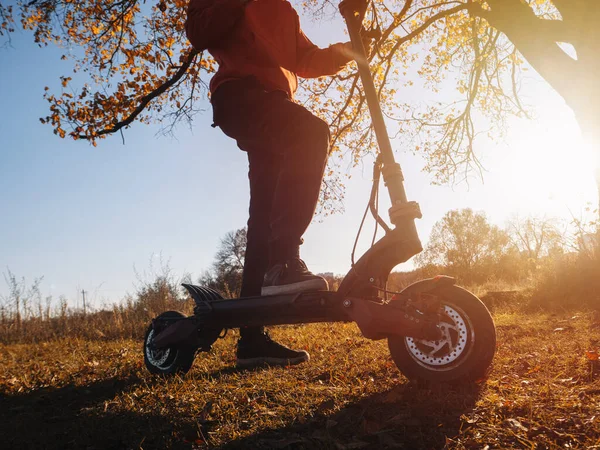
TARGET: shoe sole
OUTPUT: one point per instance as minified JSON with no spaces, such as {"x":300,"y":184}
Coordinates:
{"x":253,"y":362}
{"x":294,"y":288}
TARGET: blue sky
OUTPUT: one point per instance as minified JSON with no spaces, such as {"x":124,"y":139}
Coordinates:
{"x":87,"y":218}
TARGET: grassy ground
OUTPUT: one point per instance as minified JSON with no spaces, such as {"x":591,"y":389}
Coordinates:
{"x":542,"y":393}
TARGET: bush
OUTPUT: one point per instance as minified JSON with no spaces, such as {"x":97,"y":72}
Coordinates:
{"x":571,"y":280}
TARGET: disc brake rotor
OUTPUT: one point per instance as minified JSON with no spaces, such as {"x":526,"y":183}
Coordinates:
{"x":455,"y":336}
{"x":156,"y":357}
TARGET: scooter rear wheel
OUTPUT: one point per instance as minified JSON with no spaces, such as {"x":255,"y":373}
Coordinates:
{"x":465,"y":352}
{"x":170,"y":360}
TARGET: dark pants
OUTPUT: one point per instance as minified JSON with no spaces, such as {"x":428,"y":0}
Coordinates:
{"x":287,"y":150}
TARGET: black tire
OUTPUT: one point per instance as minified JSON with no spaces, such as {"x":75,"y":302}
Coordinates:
{"x":468,"y":351}
{"x":169,"y":361}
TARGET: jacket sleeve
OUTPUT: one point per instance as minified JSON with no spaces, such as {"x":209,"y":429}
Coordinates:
{"x":314,"y":62}
{"x":209,"y":21}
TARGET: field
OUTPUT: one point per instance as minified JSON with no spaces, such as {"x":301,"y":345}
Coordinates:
{"x":543,"y":392}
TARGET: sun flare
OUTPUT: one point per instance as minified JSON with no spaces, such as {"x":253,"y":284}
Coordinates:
{"x":551,"y":172}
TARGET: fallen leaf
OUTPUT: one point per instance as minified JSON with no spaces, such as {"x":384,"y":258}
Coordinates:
{"x":592,"y":355}
{"x":516,"y":424}
{"x":535,"y":431}
{"x":467,"y":419}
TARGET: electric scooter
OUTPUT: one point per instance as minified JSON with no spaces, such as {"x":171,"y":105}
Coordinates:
{"x":436,"y":331}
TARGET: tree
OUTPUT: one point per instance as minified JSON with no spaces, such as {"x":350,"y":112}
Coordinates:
{"x":226,"y":274}
{"x":465,"y":243}
{"x":584,"y":237}
{"x":18,"y":305}
{"x":137,"y":65}
{"x":535,"y":236}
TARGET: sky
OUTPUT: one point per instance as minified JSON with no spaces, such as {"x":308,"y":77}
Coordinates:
{"x":102,"y":219}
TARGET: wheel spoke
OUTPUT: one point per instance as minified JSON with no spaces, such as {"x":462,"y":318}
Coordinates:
{"x":445,"y":350}
{"x":449,"y":326}
{"x":437,"y":346}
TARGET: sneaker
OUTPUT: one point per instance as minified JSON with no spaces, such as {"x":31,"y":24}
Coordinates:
{"x":290,"y":278}
{"x":262,"y":349}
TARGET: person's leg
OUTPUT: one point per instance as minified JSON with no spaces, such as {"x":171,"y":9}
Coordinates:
{"x":236,"y":110}
{"x":263,"y":174}
{"x":264,"y":122}
{"x":302,"y":140}
{"x":255,"y":347}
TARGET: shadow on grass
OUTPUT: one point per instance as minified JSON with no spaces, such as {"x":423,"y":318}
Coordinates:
{"x":76,"y":417}
{"x":81,"y":417}
{"x":404,"y":417}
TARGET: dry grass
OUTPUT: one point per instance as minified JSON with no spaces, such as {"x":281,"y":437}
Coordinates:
{"x":127,"y":320}
{"x":75,"y":393}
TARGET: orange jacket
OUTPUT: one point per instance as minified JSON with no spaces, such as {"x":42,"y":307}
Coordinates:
{"x":260,"y":38}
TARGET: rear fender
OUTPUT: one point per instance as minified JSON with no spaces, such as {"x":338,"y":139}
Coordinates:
{"x":183,"y":332}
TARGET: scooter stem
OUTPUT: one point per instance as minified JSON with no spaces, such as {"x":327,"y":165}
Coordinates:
{"x":392,"y":173}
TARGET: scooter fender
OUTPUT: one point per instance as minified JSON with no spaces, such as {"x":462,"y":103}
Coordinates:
{"x":181,"y":333}
{"x":428,"y":285}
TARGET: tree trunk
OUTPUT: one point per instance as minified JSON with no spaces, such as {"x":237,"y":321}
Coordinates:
{"x":586,"y":19}
{"x":577,"y":81}
{"x":591,"y":134}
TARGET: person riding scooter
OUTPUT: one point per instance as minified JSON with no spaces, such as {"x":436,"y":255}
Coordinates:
{"x":261,"y":51}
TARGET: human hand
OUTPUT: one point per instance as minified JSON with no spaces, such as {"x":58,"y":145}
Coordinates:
{"x":352,"y":8}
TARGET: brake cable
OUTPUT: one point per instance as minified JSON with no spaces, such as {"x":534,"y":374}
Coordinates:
{"x":373,"y":206}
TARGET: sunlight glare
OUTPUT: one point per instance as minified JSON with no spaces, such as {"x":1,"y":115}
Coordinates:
{"x":551,"y":172}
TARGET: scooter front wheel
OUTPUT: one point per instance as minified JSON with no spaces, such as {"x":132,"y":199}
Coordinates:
{"x":169,"y":360}
{"x":465,"y":351}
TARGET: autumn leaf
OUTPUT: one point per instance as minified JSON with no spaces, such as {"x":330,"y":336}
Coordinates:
{"x":592,"y":355}
{"x":470,"y":50}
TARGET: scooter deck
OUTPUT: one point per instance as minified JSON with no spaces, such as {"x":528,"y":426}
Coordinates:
{"x":376,"y":319}
{"x":296,"y":308}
